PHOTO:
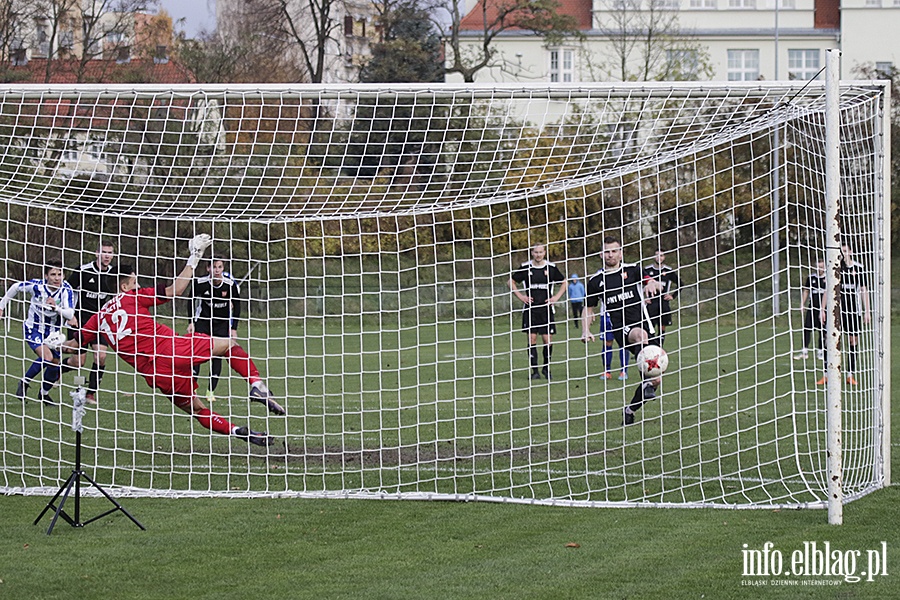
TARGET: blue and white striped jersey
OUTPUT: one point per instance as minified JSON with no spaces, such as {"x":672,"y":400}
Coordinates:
{"x":42,"y":319}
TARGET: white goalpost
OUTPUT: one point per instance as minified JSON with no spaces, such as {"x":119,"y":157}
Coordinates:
{"x":373,"y":230}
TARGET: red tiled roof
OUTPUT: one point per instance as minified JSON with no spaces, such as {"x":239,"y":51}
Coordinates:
{"x":580,"y":10}
{"x":100,"y":71}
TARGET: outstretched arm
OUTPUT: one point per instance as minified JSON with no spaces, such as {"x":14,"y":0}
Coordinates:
{"x":197,"y":246}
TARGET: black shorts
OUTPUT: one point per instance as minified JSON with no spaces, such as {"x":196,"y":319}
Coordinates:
{"x":538,"y":319}
{"x":660,"y":311}
{"x":213,"y":328}
{"x":851,"y":323}
{"x":620,"y":333}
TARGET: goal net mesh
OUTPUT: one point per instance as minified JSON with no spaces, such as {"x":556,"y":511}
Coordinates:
{"x":373,"y":231}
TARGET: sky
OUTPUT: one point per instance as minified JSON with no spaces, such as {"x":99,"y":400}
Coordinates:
{"x":198,"y":14}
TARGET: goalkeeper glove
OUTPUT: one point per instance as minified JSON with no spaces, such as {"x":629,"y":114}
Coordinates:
{"x":198,"y":245}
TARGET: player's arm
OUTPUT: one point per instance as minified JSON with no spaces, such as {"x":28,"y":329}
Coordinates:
{"x":867,"y":307}
{"x":514,"y":286}
{"x":65,"y":308}
{"x":591,"y":300}
{"x":11,"y":293}
{"x":564,"y":285}
{"x":804,"y":296}
{"x":197,"y":247}
{"x":651,"y":286}
{"x":235,"y":309}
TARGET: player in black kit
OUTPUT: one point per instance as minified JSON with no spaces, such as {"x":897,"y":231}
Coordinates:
{"x":659,"y":305}
{"x":622,"y":287}
{"x":813,"y":291}
{"x":217,"y":310}
{"x":855,"y":309}
{"x":538,"y":276}
{"x":96,"y":282}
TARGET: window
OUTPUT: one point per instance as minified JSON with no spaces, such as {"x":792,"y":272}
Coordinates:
{"x":562,"y":65}
{"x":66,"y":39}
{"x":705,"y":3}
{"x":873,"y":3}
{"x":741,"y":3}
{"x":884,"y":69}
{"x":803,"y":64}
{"x":743,"y":65}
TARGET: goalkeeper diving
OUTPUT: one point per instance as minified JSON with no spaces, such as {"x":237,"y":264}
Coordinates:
{"x":166,"y":359}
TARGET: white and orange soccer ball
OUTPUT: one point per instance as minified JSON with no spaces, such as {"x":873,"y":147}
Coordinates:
{"x":652,"y":361}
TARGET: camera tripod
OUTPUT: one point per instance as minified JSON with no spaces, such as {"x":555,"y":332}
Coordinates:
{"x":75,"y":479}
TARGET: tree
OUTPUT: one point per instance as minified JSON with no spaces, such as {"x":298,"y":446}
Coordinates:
{"x":870,"y":71}
{"x":410,"y":49}
{"x":647,"y":43}
{"x":496,"y":16}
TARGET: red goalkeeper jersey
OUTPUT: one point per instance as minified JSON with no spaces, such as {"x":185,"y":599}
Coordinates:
{"x":129,"y":328}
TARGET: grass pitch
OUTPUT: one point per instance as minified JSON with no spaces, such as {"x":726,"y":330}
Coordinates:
{"x":303,"y":548}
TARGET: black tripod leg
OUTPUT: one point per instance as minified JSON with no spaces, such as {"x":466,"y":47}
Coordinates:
{"x":64,"y":491}
{"x":118,"y":506}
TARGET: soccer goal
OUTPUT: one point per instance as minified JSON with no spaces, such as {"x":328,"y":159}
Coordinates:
{"x":373,"y":231}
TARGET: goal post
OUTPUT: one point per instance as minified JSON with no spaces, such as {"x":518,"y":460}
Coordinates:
{"x":374,"y":230}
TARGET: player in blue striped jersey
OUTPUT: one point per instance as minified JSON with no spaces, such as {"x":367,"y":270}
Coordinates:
{"x":52,"y":304}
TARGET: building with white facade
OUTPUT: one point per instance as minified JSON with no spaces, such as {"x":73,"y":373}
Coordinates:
{"x":740,"y":39}
{"x":350,"y":27}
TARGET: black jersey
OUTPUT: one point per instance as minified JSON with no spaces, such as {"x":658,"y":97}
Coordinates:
{"x":852,"y":282}
{"x":621,"y":291}
{"x":218,"y":305}
{"x":94,"y":288}
{"x":666,"y":276}
{"x":538,"y":281}
{"x":815,"y":284}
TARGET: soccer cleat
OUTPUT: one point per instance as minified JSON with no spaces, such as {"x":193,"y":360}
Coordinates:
{"x":211,"y":395}
{"x":629,"y":417}
{"x":623,"y":375}
{"x":257,"y":438}
{"x":802,"y":355}
{"x":90,"y":398}
{"x":606,"y":375}
{"x":22,"y":390}
{"x":47,"y":399}
{"x":851,"y":380}
{"x":262,"y":395}
{"x":820,"y":354}
{"x":535,"y":376}
{"x":546,"y":372}
{"x":822,"y":381}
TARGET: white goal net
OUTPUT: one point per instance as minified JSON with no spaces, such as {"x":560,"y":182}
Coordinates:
{"x":373,"y":232}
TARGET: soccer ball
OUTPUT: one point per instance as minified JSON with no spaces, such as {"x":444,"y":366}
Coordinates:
{"x":55,"y":340}
{"x":652,"y":361}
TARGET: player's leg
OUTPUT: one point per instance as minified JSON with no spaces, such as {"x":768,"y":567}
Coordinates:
{"x":242,"y":364}
{"x":215,"y":372}
{"x":547,"y":339}
{"x":533,"y":355}
{"x":606,"y":334}
{"x":807,"y":335}
{"x":637,"y":338}
{"x":73,"y":362}
{"x":98,"y":368}
{"x":50,"y":360}
{"x":623,"y":360}
{"x":182,"y":389}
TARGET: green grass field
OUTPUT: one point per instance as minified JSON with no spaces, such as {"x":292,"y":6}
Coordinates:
{"x":378,"y":420}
